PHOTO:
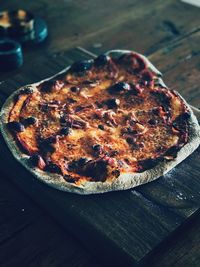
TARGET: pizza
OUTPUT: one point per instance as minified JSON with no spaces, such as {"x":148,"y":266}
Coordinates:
{"x":104,"y":124}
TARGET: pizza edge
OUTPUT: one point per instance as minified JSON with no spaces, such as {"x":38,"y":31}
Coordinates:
{"x":125,"y":180}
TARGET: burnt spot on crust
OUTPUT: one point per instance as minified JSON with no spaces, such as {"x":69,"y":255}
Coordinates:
{"x":96,"y":169}
{"x":147,"y":164}
{"x":180,"y":122}
{"x":171,"y":152}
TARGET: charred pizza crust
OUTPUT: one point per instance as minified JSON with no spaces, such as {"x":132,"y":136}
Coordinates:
{"x":125,"y":180}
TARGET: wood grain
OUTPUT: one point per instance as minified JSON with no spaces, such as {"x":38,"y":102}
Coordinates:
{"x":157,"y":209}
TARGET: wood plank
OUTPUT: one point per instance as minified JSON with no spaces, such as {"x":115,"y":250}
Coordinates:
{"x":110,"y":221}
{"x":179,"y":62}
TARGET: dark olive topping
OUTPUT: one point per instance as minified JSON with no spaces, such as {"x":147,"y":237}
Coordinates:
{"x":101,"y":127}
{"x":75,"y":89}
{"x":26,"y":91}
{"x":112,"y":103}
{"x":29,"y":121}
{"x":130,"y":140}
{"x":47,"y":86}
{"x":152,"y":121}
{"x":63,"y":120}
{"x":119,"y":87}
{"x":15,"y":126}
{"x":68,"y":178}
{"x":51,"y":167}
{"x":37,"y":161}
{"x":82,"y":66}
{"x":96,"y":147}
{"x":65,"y":131}
{"x":82,"y":161}
{"x":101,"y":60}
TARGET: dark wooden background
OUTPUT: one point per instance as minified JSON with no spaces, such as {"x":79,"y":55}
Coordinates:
{"x":166,"y":31}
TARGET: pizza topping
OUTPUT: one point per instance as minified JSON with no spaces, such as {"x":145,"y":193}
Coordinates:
{"x":97,"y":149}
{"x":15,"y":126}
{"x":134,"y":61}
{"x":112,"y":103}
{"x":99,"y":119}
{"x":26,"y":90}
{"x":51,"y":167}
{"x":81,"y":66}
{"x":130,"y":140}
{"x":101,"y":127}
{"x":51,"y":85}
{"x":75,"y":89}
{"x":46,"y":145}
{"x":119,"y":87}
{"x":29,"y":121}
{"x":37,"y":161}
{"x":65,"y":131}
{"x":153,"y":121}
{"x":101,"y":60}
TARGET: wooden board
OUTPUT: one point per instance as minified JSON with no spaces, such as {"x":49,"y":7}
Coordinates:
{"x":129,"y":224}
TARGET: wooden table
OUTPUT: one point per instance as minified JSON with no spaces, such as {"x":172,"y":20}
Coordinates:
{"x":168,"y":33}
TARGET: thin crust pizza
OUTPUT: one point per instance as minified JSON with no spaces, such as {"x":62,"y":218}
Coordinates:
{"x":100,"y":125}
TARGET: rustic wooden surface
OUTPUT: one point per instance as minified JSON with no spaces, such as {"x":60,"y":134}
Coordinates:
{"x":170,"y":35}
